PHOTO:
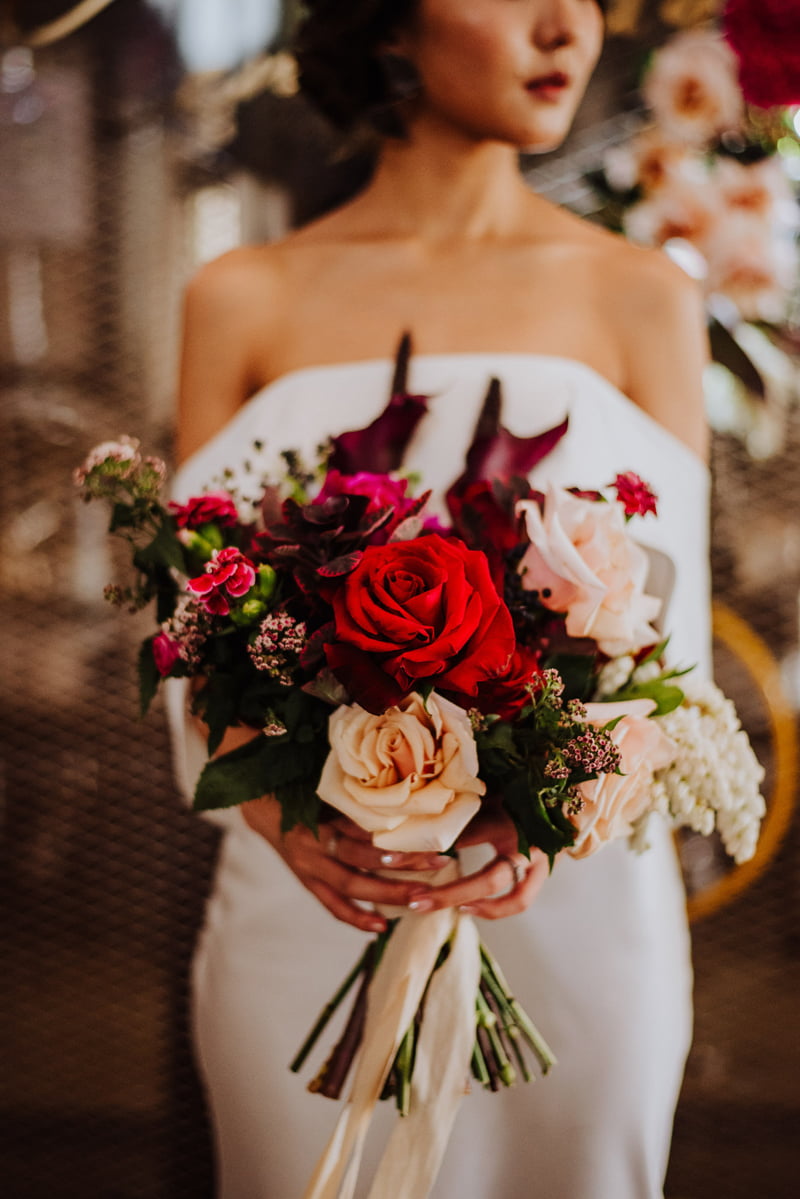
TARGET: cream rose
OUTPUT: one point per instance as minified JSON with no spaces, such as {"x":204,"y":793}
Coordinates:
{"x":583,"y":562}
{"x":408,"y":775}
{"x":612,"y":802}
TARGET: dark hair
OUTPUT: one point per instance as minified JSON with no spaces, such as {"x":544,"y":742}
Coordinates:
{"x":342,"y":68}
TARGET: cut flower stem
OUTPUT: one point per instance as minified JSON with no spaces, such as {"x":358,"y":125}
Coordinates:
{"x":502,"y":1031}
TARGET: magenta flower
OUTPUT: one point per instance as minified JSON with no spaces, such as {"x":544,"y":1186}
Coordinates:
{"x":382,"y":490}
{"x":200,"y":510}
{"x":228,"y":573}
{"x":636,"y":497}
{"x":165,"y":653}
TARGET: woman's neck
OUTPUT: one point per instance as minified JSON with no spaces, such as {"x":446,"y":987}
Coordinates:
{"x":438,"y":186}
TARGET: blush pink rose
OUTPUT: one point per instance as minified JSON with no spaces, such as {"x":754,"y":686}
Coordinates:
{"x":408,"y":776}
{"x":612,"y":802}
{"x":583,"y":562}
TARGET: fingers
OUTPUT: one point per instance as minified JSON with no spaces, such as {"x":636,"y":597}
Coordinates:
{"x":506,"y":885}
{"x":517,"y":900}
{"x":342,"y":909}
{"x":352,"y":845}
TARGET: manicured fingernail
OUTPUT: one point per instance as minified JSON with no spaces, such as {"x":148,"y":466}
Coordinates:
{"x":378,"y":926}
{"x":387,"y":859}
{"x":421,"y":905}
{"x":464,"y":907}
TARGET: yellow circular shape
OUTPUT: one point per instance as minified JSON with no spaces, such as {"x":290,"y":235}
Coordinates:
{"x":744,"y":643}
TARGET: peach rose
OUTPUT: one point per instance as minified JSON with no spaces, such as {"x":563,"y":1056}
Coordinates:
{"x":408,"y":776}
{"x":753,"y":266}
{"x":583,"y":562}
{"x":692,"y":87}
{"x":612,"y":802}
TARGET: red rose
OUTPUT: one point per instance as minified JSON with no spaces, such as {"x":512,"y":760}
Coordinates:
{"x":765,"y":35}
{"x":418,"y":611}
{"x":508,"y":694}
{"x":200,"y":510}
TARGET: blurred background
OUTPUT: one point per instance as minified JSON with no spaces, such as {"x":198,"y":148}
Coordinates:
{"x":138,"y":140}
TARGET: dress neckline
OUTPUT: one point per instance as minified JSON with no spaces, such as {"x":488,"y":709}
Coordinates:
{"x":487,"y":356}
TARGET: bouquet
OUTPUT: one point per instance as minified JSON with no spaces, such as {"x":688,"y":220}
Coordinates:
{"x":408,"y":674}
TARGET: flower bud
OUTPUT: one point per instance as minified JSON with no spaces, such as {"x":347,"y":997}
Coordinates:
{"x":266,"y":581}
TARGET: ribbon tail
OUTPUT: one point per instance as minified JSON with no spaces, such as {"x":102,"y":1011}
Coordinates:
{"x":417,"y":1145}
{"x":394,"y":997}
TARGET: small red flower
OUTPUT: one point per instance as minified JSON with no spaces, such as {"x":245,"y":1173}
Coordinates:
{"x":506,"y":695}
{"x":228,"y":573}
{"x":216,"y":506}
{"x":165,"y":653}
{"x":635,"y":495}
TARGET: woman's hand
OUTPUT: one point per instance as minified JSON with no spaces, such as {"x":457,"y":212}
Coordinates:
{"x":340,"y":868}
{"x":508,"y":884}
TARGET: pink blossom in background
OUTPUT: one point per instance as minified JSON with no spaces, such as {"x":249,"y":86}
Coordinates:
{"x":692,"y":88}
{"x":124,"y":452}
{"x":765,"y":36}
{"x":228,"y":573}
{"x":216,"y":506}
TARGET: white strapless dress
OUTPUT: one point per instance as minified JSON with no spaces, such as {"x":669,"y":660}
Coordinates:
{"x":602,"y":958}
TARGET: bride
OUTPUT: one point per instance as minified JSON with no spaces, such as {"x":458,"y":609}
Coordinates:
{"x":292,"y":342}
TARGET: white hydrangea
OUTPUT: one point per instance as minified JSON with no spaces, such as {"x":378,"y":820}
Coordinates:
{"x":614,"y":675}
{"x":714,"y":781}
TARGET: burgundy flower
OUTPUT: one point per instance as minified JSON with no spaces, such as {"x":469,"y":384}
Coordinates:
{"x":765,"y":36}
{"x":382,"y":491}
{"x":228,"y":573}
{"x":216,"y":506}
{"x":506,"y":695}
{"x":165,"y":653}
{"x":635,"y":495}
{"x":416,"y":612}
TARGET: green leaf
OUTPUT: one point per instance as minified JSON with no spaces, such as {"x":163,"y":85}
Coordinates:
{"x":164,"y":550}
{"x":149,"y":677}
{"x":655,"y":654}
{"x":218,"y":703}
{"x":233,"y":778}
{"x":537,"y":824}
{"x":123,"y":516}
{"x":577,"y":671}
{"x":666,"y":697}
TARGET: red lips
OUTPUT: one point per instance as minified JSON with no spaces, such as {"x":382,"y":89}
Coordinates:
{"x":556,"y":79}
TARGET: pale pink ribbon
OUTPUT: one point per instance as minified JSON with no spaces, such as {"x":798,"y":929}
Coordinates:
{"x":415,"y":1149}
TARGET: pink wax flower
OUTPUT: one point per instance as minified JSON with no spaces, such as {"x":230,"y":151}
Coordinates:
{"x":228,"y":573}
{"x":636,"y":497}
{"x":216,"y":506}
{"x":165,"y":653}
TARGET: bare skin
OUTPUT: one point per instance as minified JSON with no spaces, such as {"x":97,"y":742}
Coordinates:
{"x":449,"y":242}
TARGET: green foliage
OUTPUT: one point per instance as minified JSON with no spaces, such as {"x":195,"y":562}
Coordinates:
{"x":148,"y":676}
{"x":288,"y":766}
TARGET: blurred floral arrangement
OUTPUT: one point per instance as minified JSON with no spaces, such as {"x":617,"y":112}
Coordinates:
{"x":712,"y":177}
